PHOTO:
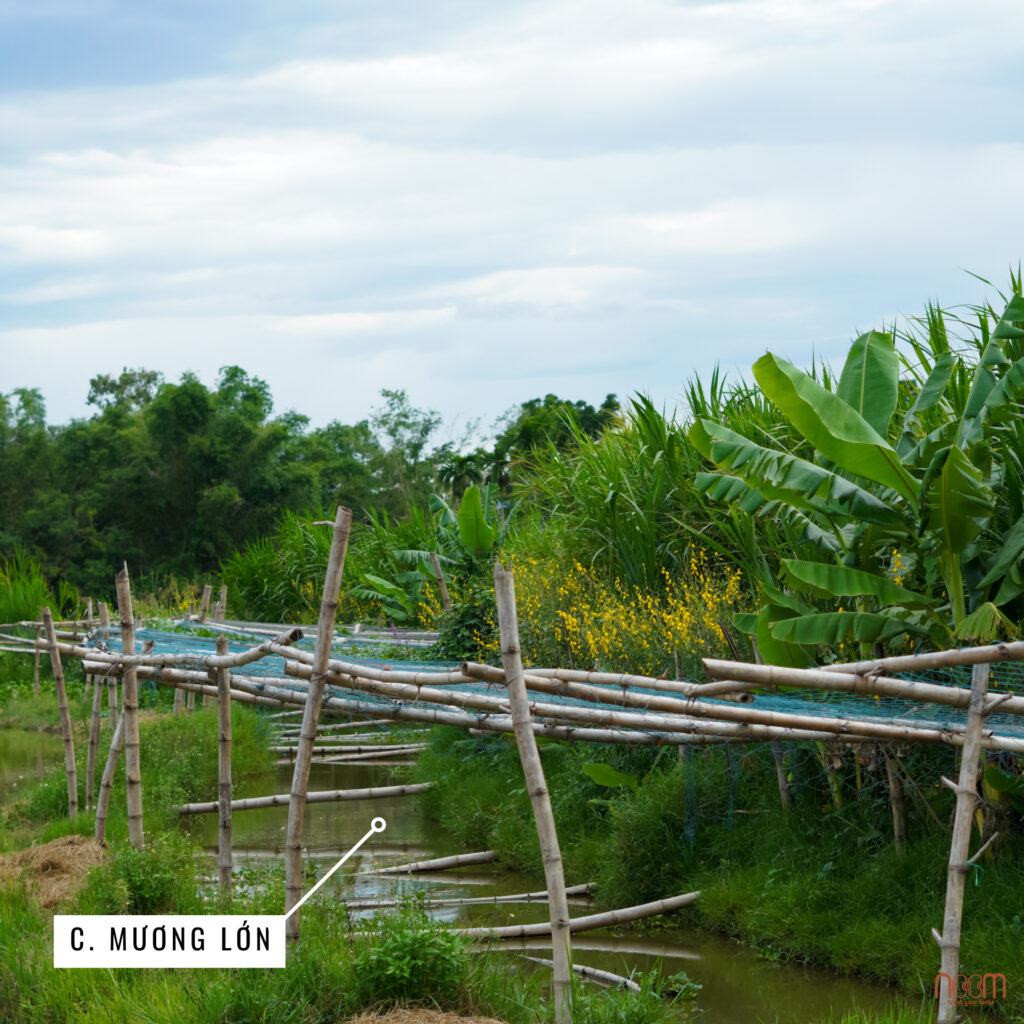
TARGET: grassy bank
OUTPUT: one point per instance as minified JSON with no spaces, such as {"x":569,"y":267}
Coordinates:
{"x":819,"y":884}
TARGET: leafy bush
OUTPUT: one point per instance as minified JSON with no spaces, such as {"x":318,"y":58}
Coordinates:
{"x":412,"y":959}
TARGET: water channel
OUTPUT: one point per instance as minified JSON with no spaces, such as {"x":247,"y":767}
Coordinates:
{"x":738,"y":986}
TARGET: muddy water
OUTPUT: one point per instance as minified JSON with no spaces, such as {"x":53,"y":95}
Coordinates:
{"x":738,"y":986}
{"x":25,"y":758}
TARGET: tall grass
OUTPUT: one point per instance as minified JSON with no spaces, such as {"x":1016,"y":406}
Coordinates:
{"x":24,"y":590}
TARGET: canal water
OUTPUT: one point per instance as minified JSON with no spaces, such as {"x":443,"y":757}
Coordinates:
{"x":738,"y":987}
{"x":26,"y":758}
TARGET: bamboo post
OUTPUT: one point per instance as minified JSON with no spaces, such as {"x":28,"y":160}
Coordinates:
{"x":223,"y":603}
{"x":130,"y":699}
{"x":94,"y":739}
{"x":224,"y":770}
{"x":104,"y":615}
{"x":88,"y":610}
{"x":446,"y":598}
{"x":897,"y":798}
{"x":966,"y":800}
{"x":179,"y":701}
{"x":533,"y":770}
{"x":205,"y":606}
{"x":65,"y":714}
{"x":310,"y":716}
{"x":107,"y":781}
{"x":35,"y":663}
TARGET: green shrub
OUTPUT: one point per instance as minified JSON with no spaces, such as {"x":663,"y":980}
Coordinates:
{"x":412,"y":959}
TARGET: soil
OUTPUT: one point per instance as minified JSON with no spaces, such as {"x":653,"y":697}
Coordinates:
{"x":416,"y":1016}
{"x":53,"y":871}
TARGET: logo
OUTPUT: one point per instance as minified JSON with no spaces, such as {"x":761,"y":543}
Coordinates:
{"x":972,"y":989}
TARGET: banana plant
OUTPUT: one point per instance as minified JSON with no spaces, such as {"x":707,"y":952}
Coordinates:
{"x":875,"y":479}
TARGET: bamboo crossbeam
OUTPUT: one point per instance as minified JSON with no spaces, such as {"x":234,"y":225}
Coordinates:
{"x":722,"y":691}
{"x":583,"y":924}
{"x":987,"y":654}
{"x":316,"y":797}
{"x":440,"y":863}
{"x":827,"y":678}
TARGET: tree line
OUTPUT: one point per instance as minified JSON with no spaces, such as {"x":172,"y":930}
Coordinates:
{"x":175,"y":476}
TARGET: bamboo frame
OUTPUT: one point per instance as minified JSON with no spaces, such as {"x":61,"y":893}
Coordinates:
{"x":70,"y":768}
{"x":300,"y":777}
{"x":130,"y":699}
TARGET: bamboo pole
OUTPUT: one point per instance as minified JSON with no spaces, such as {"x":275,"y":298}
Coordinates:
{"x":442,"y":586}
{"x":107,"y":780}
{"x":104,"y":615}
{"x":300,"y":777}
{"x":224,"y":770}
{"x":533,"y":770}
{"x":439,"y":863}
{"x":471,"y":901}
{"x":583,"y":924}
{"x":130,"y":698}
{"x":966,"y":800}
{"x":179,"y":701}
{"x":94,"y":740}
{"x":223,"y":603}
{"x":593,"y":974}
{"x":828,"y":678}
{"x":988,"y":654}
{"x":35,"y":662}
{"x":316,"y":797}
{"x":65,"y":715}
{"x":897,"y":800}
{"x":205,"y":606}
{"x":190,"y":698}
{"x":88,"y":610}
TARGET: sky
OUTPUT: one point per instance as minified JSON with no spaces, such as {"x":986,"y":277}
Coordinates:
{"x":483,"y":202}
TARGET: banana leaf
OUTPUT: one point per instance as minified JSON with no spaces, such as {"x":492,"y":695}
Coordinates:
{"x":478,"y":536}
{"x":869,"y":382}
{"x":830,"y":628}
{"x":825,"y":581}
{"x":835,"y":429}
{"x":774,"y":651}
{"x":787,"y":478}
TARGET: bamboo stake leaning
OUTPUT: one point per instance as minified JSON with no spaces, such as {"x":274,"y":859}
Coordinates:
{"x":35,"y":663}
{"x":442,"y":586}
{"x":959,"y":863}
{"x":65,"y":714}
{"x":224,"y":770}
{"x":130,"y":699}
{"x":311,"y":714}
{"x":94,"y":740}
{"x":205,"y":606}
{"x":107,"y":781}
{"x":533,"y":770}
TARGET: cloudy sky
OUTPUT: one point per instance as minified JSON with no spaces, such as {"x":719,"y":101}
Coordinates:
{"x":485,"y":200}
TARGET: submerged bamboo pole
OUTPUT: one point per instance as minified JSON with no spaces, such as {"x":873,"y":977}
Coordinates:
{"x":533,"y":770}
{"x":471,"y":901}
{"x":593,"y":974}
{"x":300,"y":777}
{"x":439,"y":863}
{"x":966,"y":801}
{"x":94,"y":740}
{"x":130,"y":698}
{"x":65,"y":715}
{"x":224,"y":770}
{"x":442,"y":586}
{"x":107,"y":781}
{"x":583,"y":924}
{"x":205,"y":606}
{"x":316,"y":797}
